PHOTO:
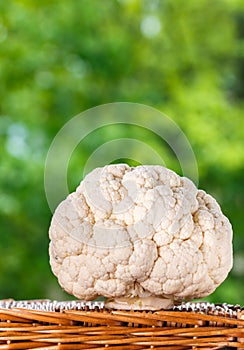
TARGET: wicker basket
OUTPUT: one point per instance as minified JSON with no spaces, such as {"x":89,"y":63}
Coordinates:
{"x":42,"y":324}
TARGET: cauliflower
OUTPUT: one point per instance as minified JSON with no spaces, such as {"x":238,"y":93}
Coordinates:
{"x":143,"y":237}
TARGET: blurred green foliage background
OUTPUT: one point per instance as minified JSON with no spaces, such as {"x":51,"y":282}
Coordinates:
{"x":58,"y":58}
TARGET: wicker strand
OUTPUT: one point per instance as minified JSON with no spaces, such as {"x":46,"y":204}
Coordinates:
{"x":54,"y":325}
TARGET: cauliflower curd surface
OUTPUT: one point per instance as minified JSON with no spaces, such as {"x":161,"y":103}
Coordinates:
{"x":139,"y":232}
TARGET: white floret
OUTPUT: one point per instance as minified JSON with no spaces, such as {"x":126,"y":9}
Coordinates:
{"x":139,"y":232}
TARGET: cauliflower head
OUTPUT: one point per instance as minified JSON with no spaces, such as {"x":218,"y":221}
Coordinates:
{"x":139,"y":232}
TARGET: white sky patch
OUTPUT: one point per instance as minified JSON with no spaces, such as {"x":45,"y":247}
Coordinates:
{"x":151,"y":26}
{"x":16,"y":144}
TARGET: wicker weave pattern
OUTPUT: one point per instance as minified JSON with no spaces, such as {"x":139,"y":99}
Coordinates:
{"x":77,"y":325}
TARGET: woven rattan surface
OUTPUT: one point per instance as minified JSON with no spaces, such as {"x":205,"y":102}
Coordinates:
{"x":77,"y":325}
